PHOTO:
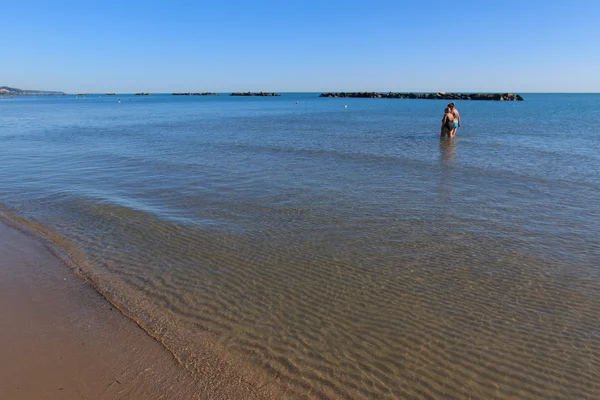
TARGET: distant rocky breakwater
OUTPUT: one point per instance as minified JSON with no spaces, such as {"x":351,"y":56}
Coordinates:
{"x":254,"y":94}
{"x":196,"y":94}
{"x":429,"y":96}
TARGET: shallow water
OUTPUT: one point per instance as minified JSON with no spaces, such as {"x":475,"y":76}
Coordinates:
{"x":349,"y":253}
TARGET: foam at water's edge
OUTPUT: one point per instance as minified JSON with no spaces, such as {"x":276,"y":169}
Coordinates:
{"x":218,"y":364}
{"x":72,"y":258}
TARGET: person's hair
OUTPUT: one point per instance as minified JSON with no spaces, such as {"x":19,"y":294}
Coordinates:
{"x":451,"y":105}
{"x":446,"y":110}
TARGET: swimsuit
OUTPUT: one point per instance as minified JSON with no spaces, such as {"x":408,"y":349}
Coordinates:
{"x":450,"y":125}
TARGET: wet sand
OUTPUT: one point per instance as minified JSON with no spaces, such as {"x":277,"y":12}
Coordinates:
{"x":60,"y":339}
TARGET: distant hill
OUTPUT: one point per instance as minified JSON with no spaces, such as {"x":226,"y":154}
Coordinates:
{"x":9,"y":89}
{"x":14,"y":91}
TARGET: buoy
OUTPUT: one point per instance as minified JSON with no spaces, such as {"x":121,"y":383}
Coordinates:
{"x":345,"y":106}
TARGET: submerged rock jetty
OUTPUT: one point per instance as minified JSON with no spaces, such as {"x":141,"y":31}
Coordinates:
{"x":196,"y":94}
{"x":429,"y":96}
{"x":254,"y":94}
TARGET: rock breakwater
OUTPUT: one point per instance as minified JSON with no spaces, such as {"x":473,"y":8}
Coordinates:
{"x":254,"y":94}
{"x":196,"y":94}
{"x":429,"y":96}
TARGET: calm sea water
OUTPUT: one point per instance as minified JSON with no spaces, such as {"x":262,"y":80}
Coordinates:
{"x":345,"y":253}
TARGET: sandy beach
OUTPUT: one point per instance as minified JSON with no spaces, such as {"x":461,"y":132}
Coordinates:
{"x":60,"y":339}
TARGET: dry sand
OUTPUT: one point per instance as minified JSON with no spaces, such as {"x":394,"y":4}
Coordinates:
{"x":60,"y":339}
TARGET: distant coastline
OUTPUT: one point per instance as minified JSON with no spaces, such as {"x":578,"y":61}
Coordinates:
{"x":6,"y":91}
{"x":10,"y":91}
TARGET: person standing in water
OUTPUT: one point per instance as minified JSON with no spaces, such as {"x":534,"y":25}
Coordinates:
{"x":456,"y":115}
{"x":448,"y":124}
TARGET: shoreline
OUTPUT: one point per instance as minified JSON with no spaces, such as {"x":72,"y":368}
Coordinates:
{"x":61,"y":338}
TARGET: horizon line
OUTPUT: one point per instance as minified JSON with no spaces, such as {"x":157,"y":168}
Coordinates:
{"x":320,"y":91}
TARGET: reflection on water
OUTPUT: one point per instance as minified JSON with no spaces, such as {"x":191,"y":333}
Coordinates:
{"x":447,"y":150}
{"x":331,"y":249}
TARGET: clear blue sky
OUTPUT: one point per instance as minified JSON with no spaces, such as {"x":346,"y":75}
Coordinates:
{"x":401,"y":45}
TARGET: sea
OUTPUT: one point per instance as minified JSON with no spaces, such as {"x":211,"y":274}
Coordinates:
{"x":336,"y":246}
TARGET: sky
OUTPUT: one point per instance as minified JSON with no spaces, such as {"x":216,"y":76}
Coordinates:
{"x":301,"y":46}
